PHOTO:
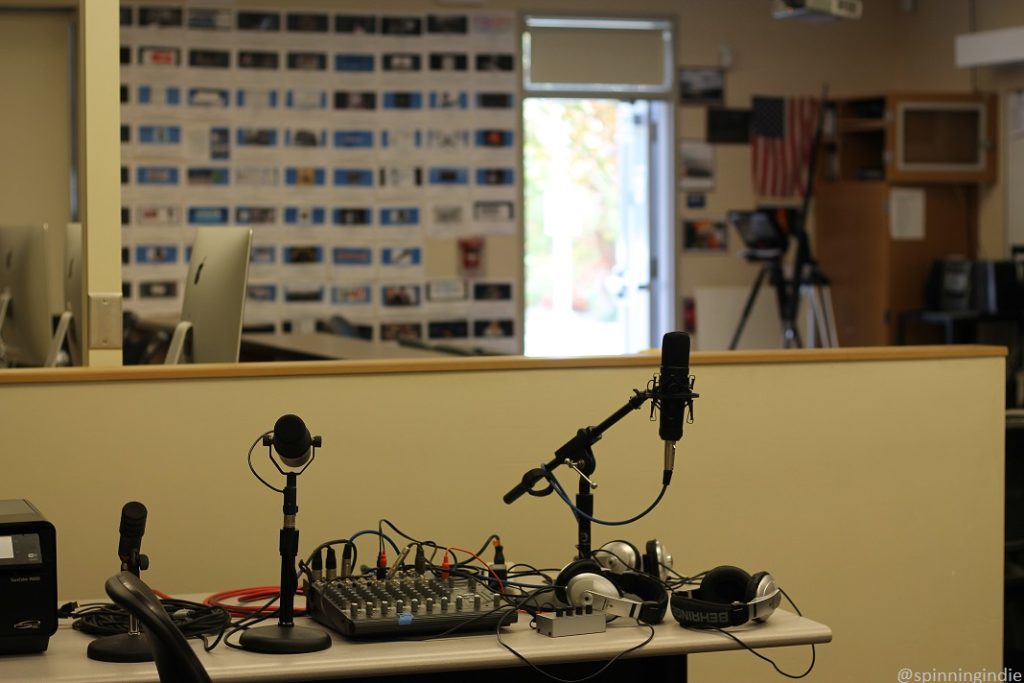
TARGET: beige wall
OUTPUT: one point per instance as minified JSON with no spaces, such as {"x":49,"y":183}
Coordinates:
{"x":871,"y":489}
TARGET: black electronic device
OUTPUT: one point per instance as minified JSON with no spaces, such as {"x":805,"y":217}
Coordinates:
{"x":762,"y":233}
{"x":28,"y":578}
{"x":406,"y":604}
{"x":727,"y":596}
{"x":984,"y":287}
{"x":674,"y":394}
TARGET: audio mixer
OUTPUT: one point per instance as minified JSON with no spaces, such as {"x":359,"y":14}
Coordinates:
{"x":405,"y":604}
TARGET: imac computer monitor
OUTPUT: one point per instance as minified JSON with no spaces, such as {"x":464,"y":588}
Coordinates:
{"x":211,"y":313}
{"x":70,"y":325}
{"x":26,"y":325}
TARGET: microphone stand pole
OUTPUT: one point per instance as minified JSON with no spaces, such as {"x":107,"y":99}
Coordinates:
{"x":132,"y":646}
{"x":286,"y":637}
{"x":578,"y":454}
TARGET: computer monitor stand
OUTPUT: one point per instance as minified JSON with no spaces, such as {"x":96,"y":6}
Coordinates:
{"x":5,"y":300}
{"x":58,"y":339}
{"x":176,"y":349}
{"x":56,"y":343}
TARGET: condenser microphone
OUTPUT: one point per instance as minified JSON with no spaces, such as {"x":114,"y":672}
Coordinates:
{"x":673,"y":394}
{"x":133,"y":526}
{"x":292,"y":441}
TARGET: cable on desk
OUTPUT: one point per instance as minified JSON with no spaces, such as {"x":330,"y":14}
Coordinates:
{"x":350,"y":543}
{"x":433,"y":544}
{"x":542,"y":573}
{"x":814,"y":653}
{"x":258,"y":616}
{"x":193,"y":619}
{"x":247,"y":595}
{"x":501,"y":584}
{"x":604,"y":667}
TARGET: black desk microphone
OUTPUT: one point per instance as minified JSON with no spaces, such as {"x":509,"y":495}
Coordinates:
{"x":133,"y":526}
{"x":673,"y":394}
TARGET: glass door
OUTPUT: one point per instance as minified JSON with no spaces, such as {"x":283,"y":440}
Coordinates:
{"x":588,"y":221}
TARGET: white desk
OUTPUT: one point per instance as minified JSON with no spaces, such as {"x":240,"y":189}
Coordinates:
{"x":65,"y":661}
{"x":326,"y":346}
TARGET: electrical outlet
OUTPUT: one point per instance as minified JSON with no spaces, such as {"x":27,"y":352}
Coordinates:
{"x":105,"y":321}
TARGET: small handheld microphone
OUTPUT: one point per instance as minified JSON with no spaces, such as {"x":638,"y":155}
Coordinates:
{"x":133,"y":526}
{"x":292,"y":441}
{"x":674,"y":394}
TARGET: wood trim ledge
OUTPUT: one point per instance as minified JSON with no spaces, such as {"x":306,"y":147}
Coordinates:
{"x":473,"y":364}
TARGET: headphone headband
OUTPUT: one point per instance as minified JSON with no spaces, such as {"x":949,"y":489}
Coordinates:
{"x":727,"y":596}
{"x":696,"y":613}
{"x":585,"y":579}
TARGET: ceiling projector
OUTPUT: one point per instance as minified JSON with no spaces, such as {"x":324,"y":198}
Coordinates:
{"x":817,"y":10}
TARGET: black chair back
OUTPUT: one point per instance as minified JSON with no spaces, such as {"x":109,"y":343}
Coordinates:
{"x":176,"y":662}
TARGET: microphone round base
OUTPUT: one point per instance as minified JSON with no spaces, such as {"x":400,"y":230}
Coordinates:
{"x":124,"y":647}
{"x":284,"y":640}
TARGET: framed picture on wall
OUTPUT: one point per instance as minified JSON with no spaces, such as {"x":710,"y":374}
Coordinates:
{"x":704,"y":235}
{"x":698,"y":165}
{"x":701,"y":85}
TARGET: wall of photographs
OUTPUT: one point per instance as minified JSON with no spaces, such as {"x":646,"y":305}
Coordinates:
{"x":357,"y":146}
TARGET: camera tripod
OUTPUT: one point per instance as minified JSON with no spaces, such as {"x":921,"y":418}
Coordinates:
{"x":808,"y":285}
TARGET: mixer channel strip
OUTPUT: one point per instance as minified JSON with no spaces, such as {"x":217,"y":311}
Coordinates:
{"x":407,"y":604}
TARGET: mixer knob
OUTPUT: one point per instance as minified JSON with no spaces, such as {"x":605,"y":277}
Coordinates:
{"x":444,"y":603}
{"x":430,"y":605}
{"x":414,"y":606}
{"x":476,"y":602}
{"x":458,"y":603}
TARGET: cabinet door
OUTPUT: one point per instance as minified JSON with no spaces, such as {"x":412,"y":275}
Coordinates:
{"x":852,"y":244}
{"x":941,"y":139}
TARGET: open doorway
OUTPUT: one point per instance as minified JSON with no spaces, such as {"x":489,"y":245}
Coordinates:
{"x":595,"y":204}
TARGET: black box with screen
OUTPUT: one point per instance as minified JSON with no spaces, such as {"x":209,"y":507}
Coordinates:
{"x":28,"y":578}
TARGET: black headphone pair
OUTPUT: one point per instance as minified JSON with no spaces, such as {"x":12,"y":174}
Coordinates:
{"x":727,"y":596}
{"x":622,"y":556}
{"x":619,"y":580}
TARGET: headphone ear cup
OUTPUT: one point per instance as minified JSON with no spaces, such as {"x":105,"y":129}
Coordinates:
{"x":574,"y":570}
{"x":752,"y":592}
{"x":602,"y":583}
{"x":657,"y":561}
{"x":725,"y":585}
{"x":761,"y":585}
{"x":619,"y":556}
{"x":651,"y":565}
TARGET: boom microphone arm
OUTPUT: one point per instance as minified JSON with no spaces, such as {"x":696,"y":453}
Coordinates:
{"x":576,"y":451}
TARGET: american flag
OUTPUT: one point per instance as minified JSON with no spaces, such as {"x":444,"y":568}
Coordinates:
{"x":781,"y":137}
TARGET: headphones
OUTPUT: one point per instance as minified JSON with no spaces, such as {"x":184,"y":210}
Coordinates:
{"x":727,"y":596}
{"x":586,"y":582}
{"x":622,"y":556}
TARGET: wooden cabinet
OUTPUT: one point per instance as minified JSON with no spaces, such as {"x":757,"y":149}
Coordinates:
{"x":912,"y":138}
{"x":873,"y":276}
{"x":938,"y":144}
